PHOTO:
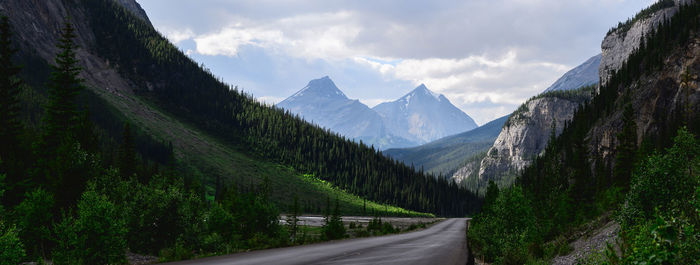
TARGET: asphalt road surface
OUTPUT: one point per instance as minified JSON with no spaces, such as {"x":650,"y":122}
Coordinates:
{"x":443,"y":243}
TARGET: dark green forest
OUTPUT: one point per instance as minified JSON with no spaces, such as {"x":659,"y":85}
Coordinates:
{"x":652,"y":191}
{"x":168,"y":77}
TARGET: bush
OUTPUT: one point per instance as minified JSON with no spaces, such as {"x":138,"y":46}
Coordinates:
{"x":659,"y":219}
{"x":34,"y":216}
{"x":505,"y":229}
{"x":11,"y":248}
{"x":96,"y":236}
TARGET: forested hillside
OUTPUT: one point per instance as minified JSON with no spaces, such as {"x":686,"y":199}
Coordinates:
{"x":169,"y":78}
{"x":648,"y":177}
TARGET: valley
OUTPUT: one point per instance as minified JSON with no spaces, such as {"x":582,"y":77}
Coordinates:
{"x":120,"y":145}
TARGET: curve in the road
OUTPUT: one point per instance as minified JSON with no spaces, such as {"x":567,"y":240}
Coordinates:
{"x":442,"y":243}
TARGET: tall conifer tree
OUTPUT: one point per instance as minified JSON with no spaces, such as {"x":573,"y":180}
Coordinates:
{"x":62,"y":116}
{"x":10,"y":126}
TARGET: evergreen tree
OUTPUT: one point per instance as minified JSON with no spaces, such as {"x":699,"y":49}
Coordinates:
{"x":66,"y":165}
{"x":10,"y":126}
{"x":62,"y":115}
{"x":626,"y":149}
{"x":293,"y":220}
{"x":334,"y":228}
{"x":127,"y":153}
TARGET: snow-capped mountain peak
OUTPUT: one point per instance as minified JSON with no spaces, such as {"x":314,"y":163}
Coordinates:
{"x":423,"y":116}
{"x":322,"y":87}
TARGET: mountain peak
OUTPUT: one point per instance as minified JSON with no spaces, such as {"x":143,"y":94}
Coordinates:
{"x":421,"y":91}
{"x":322,"y":87}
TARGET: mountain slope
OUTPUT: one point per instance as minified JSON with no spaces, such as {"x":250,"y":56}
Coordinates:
{"x":322,"y":103}
{"x":423,"y":116}
{"x":201,"y":155}
{"x":585,"y":74}
{"x":445,"y":155}
{"x":217,"y":132}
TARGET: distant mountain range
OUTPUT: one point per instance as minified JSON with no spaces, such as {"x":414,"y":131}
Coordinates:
{"x":418,"y":117}
{"x":446,"y":155}
{"x":322,"y":103}
{"x":422,"y":116}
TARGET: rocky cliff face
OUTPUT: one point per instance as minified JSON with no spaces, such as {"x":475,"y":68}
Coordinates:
{"x":525,"y":135}
{"x":656,"y":99}
{"x":135,"y":9}
{"x":622,"y":41}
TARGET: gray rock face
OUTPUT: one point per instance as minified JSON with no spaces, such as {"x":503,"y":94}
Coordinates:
{"x":135,"y":9}
{"x":422,"y":116}
{"x":525,"y":136}
{"x":463,"y":173}
{"x":620,"y":43}
{"x":585,"y":74}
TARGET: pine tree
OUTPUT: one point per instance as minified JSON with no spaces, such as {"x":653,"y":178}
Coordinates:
{"x":626,"y":149}
{"x":62,"y":116}
{"x":293,"y":220}
{"x":127,"y":153}
{"x":10,"y":126}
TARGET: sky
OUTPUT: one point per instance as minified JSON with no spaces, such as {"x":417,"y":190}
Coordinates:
{"x":486,"y":56}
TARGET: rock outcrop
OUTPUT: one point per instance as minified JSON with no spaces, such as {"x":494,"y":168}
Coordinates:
{"x":623,"y":40}
{"x":135,"y":9}
{"x":525,"y":135}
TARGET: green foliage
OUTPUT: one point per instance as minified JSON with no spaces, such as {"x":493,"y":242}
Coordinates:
{"x":62,"y":115}
{"x":34,"y":219}
{"x":156,"y":214}
{"x":502,"y":232}
{"x":660,"y":217}
{"x":11,"y":248}
{"x":95,"y":236}
{"x":293,"y":220}
{"x":626,"y":149}
{"x":127,"y":153}
{"x":334,"y":228}
{"x":665,"y":181}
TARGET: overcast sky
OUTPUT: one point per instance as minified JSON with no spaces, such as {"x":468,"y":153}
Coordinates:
{"x":485,"y":56}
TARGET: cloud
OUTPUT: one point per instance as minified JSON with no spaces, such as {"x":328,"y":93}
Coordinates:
{"x":318,"y":36}
{"x":486,"y":56}
{"x":177,"y":36}
{"x":469,"y":81}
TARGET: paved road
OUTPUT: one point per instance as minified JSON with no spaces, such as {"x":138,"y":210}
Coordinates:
{"x":443,"y":243}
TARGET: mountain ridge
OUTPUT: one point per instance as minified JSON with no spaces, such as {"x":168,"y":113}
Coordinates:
{"x":395,"y":124}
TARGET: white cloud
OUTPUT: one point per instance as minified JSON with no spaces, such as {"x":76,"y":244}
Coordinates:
{"x":176,"y":36}
{"x":506,"y":80}
{"x":310,"y":36}
{"x":486,"y":56}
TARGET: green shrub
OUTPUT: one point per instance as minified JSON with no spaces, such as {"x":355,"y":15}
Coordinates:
{"x":34,"y":216}
{"x":95,"y":236}
{"x":505,"y":229}
{"x":11,"y":248}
